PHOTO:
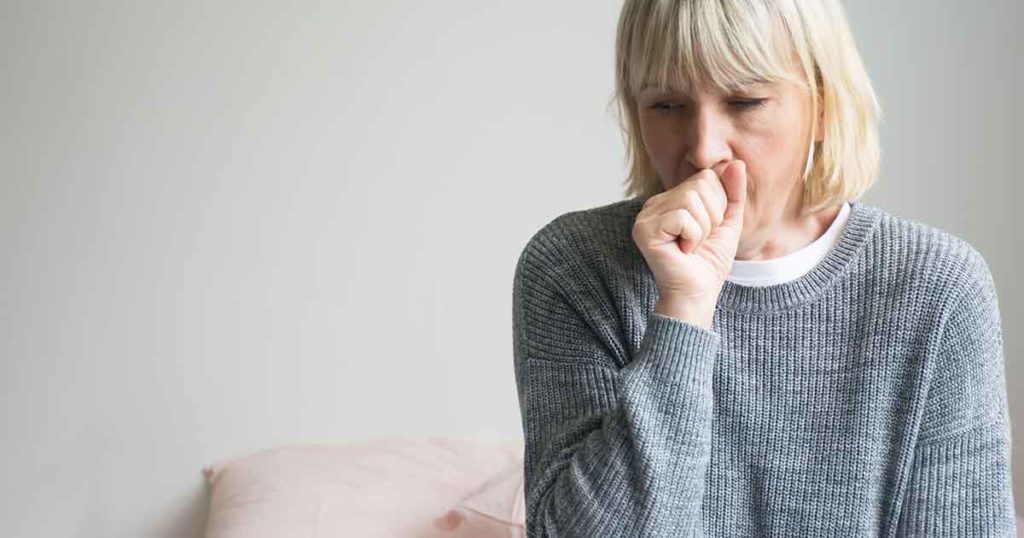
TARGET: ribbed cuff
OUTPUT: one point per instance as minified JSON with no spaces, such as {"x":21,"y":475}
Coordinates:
{"x":677,"y":350}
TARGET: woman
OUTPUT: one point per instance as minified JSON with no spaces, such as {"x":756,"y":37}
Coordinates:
{"x":743,"y":348}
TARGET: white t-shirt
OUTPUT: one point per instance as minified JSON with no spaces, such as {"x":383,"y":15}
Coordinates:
{"x":793,"y":265}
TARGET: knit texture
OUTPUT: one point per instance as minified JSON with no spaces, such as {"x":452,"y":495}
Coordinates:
{"x":865,"y":398}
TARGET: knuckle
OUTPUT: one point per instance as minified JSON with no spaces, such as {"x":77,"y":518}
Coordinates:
{"x":693,"y":197}
{"x":687,"y":218}
{"x":647,"y":207}
{"x":707,"y":191}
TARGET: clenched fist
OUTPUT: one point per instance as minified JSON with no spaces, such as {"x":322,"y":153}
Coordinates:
{"x":689,"y":235}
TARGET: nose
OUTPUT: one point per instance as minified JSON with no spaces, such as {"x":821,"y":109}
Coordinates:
{"x":708,"y":141}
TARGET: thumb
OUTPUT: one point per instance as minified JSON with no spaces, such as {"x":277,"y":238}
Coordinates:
{"x":734,"y":180}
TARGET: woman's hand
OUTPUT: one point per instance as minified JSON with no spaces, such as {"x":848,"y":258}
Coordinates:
{"x":689,"y":235}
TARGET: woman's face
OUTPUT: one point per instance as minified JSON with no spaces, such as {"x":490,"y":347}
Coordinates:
{"x":766,"y":125}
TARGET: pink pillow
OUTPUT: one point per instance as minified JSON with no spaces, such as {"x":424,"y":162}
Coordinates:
{"x":496,"y":509}
{"x":378,"y":488}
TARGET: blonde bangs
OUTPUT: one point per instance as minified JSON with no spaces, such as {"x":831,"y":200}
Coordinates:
{"x":708,"y":41}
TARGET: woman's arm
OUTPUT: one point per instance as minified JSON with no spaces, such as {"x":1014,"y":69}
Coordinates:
{"x":609,"y":451}
{"x":960,"y":482}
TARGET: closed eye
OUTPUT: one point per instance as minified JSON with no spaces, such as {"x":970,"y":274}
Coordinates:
{"x":749,"y":103}
{"x":666,"y":106}
{"x":743,"y":104}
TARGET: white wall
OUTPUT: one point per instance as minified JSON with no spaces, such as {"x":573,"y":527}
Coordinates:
{"x":231,"y":225}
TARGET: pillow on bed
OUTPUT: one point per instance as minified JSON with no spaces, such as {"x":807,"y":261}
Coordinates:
{"x":379,"y":488}
{"x":496,"y":508}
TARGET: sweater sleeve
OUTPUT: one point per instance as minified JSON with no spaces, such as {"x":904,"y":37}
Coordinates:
{"x":960,"y":480}
{"x":608,"y":451}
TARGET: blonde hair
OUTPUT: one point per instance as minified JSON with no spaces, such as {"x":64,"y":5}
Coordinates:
{"x":740,"y":41}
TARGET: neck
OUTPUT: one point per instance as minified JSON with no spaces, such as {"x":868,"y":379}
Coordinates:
{"x":786,"y":236}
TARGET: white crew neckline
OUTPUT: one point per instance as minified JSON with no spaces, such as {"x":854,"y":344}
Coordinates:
{"x":793,"y":265}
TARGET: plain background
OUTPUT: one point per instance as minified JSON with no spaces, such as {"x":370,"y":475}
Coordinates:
{"x":231,"y":225}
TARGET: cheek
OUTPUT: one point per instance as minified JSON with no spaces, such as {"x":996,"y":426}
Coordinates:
{"x":779,"y":137}
{"x":768,"y":148}
{"x":763,"y":150}
{"x":655,"y":133}
{"x":661,"y":142}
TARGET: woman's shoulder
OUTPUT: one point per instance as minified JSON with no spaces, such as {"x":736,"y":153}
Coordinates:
{"x":604,"y":221}
{"x":587,"y":234}
{"x":911,"y":248}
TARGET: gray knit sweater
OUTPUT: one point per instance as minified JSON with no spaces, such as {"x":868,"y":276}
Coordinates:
{"x":865,"y":398}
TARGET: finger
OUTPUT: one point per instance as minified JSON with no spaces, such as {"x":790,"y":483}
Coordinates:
{"x":682,"y":227}
{"x":713,"y":193}
{"x":651,"y":206}
{"x":676,"y":226}
{"x":664,"y":200}
{"x":713,"y":196}
{"x":695,"y":204}
{"x":734,"y":181}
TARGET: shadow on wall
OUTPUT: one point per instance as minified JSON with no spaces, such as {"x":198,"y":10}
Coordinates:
{"x":188,"y":518}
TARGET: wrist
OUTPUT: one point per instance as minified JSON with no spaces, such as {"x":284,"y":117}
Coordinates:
{"x":697,"y":311}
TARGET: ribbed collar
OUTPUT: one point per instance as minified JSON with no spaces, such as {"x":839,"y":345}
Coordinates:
{"x":794,"y":264}
{"x":754,"y":299}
